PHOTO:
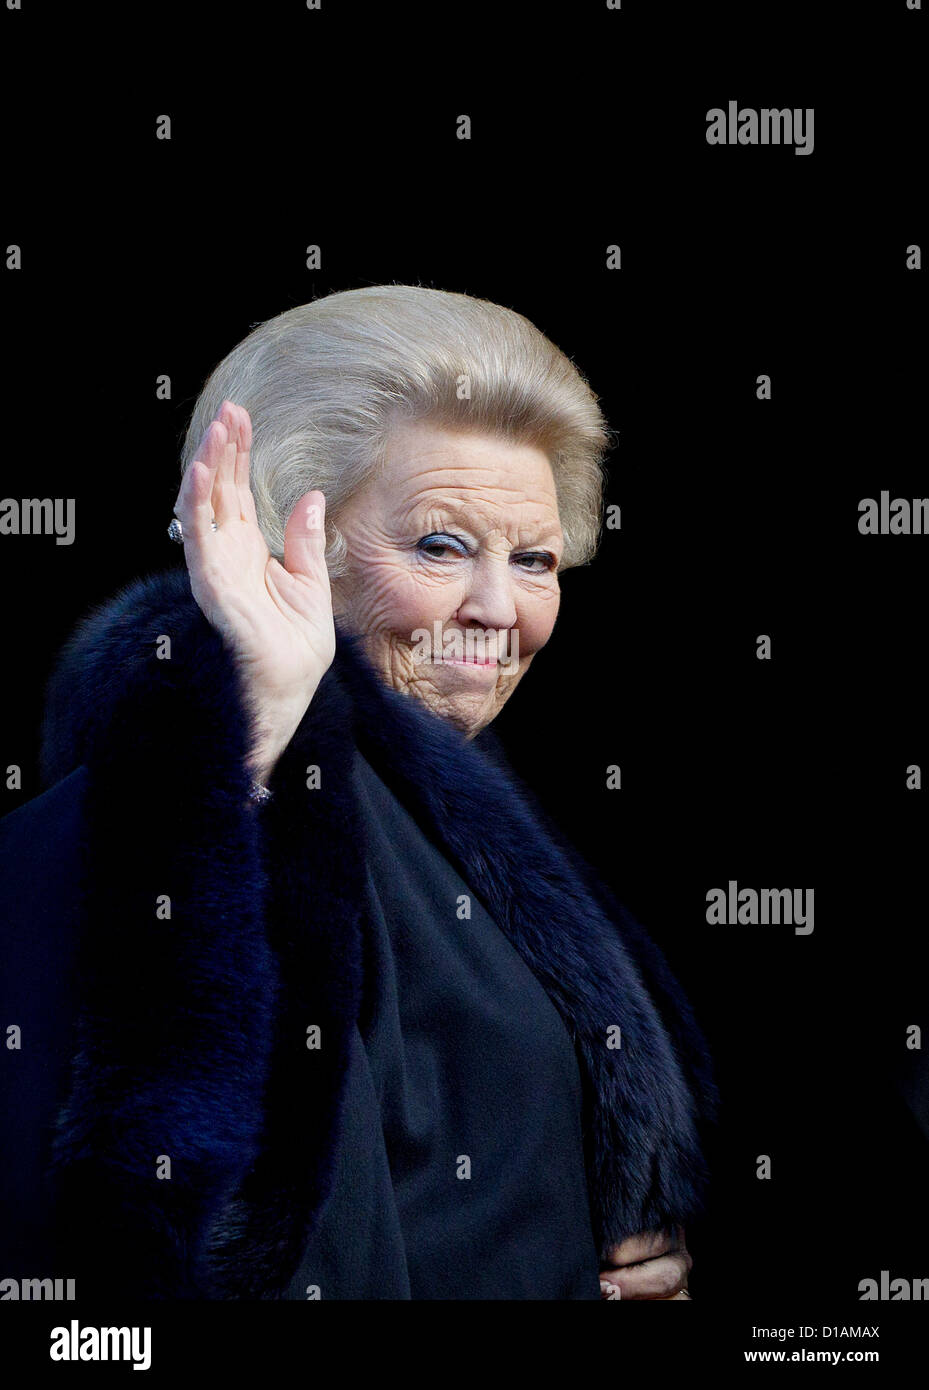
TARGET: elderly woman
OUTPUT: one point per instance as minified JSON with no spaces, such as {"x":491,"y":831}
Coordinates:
{"x":344,"y":1018}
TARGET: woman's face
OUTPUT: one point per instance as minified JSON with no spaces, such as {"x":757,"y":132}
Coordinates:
{"x":451,"y":580}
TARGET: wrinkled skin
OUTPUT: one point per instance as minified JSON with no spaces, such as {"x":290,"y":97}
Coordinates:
{"x":460,"y":530}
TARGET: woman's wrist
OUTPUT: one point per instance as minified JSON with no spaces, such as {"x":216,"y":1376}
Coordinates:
{"x":274,"y":733}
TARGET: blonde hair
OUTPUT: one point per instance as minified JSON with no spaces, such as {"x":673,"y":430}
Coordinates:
{"x":325,"y":382}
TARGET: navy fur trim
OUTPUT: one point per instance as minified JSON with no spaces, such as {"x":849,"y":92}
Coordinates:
{"x":187,"y":1043}
{"x":171,"y":1049}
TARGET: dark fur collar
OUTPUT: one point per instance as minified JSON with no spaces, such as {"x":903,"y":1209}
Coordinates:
{"x":191,"y":1037}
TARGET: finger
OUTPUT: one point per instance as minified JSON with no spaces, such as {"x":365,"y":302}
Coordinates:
{"x":646,"y":1246}
{"x":305,"y":538}
{"x":225,"y":493}
{"x":193,"y":507}
{"x":660,"y":1278}
{"x":243,"y":465}
{"x":212,"y":446}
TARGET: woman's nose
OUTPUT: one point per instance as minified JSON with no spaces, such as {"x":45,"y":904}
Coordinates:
{"x":489,"y":601}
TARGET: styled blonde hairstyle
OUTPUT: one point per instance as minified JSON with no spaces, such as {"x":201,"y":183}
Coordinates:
{"x":325,"y":382}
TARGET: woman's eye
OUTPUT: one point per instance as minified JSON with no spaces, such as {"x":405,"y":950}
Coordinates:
{"x":436,"y":546}
{"x":443,"y":545}
{"x":538,"y":563}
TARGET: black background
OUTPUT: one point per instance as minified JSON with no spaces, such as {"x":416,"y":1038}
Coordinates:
{"x":739,"y":516}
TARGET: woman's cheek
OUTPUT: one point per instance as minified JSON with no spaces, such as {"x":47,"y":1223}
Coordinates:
{"x":536,"y":620}
{"x":428,"y":597}
{"x":392,"y":602}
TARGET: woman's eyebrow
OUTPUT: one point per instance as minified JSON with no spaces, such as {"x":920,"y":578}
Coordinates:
{"x":464,"y":514}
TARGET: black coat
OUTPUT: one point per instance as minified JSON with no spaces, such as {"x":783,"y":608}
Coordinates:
{"x":145,"y":1035}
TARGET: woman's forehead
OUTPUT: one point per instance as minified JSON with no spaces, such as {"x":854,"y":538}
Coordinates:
{"x":480,"y":501}
{"x":458,"y":466}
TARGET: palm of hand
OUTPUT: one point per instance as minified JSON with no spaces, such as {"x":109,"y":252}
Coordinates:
{"x":276,"y":617}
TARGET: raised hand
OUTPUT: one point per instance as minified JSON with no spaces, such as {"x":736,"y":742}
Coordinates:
{"x":277,"y":618}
